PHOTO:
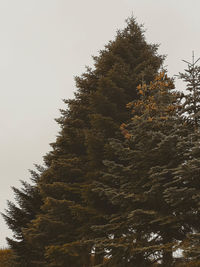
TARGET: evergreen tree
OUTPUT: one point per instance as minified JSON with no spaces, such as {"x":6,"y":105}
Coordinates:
{"x":184,"y":190}
{"x":61,"y":233}
{"x":143,"y":228}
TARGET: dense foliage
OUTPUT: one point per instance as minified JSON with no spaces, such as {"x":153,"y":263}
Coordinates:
{"x":121,"y":185}
{"x":60,"y":230}
{"x":153,"y":180}
{"x":19,"y":215}
{"x":143,"y":229}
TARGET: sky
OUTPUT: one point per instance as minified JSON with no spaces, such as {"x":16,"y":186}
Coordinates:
{"x":44,"y":44}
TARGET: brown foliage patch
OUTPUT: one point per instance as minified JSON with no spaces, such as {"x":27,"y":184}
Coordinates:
{"x":6,"y":258}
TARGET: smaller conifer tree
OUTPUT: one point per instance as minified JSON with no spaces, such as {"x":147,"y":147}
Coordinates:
{"x":184,"y":190}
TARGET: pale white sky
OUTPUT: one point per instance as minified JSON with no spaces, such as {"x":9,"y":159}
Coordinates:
{"x":45,"y":43}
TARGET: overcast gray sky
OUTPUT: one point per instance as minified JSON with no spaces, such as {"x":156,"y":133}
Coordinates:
{"x":45,"y":43}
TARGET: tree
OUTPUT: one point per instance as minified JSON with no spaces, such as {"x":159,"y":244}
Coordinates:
{"x":61,"y":231}
{"x":184,"y":190}
{"x":143,"y":228}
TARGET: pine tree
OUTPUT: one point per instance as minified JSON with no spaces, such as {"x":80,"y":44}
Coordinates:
{"x":184,"y":190}
{"x":61,"y":232}
{"x":143,"y":228}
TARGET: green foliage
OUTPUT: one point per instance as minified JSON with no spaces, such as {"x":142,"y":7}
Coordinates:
{"x":184,"y":189}
{"x":152,"y":181}
{"x":143,"y":229}
{"x":17,"y":217}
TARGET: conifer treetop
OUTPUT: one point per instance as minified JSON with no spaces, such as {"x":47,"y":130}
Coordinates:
{"x":191,"y":106}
